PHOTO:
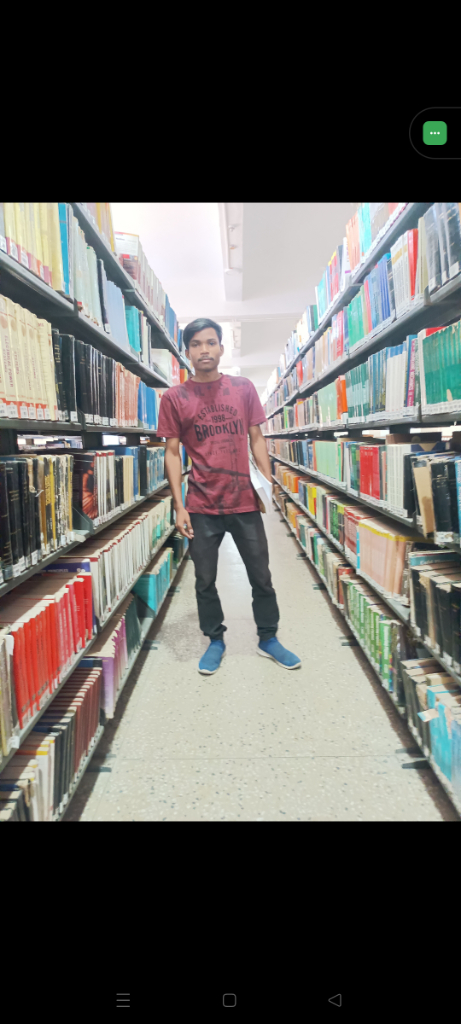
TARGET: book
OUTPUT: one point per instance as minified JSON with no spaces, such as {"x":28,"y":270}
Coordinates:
{"x":68,"y":361}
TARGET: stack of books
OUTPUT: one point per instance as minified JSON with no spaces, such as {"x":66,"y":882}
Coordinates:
{"x":133,"y":259}
{"x":51,"y":621}
{"x":384,"y":639}
{"x":115,"y":646}
{"x":30,"y":234}
{"x":27,"y":366}
{"x":154,"y":583}
{"x":386,"y":386}
{"x":367,"y":226}
{"x":334,"y":279}
{"x":35,"y":509}
{"x":440,"y":231}
{"x":49,"y":376}
{"x":439,"y":351}
{"x":151,"y":467}
{"x":433,"y":705}
{"x":435,"y":591}
{"x":115,"y":557}
{"x":383,"y":551}
{"x":101,"y":217}
{"x":36,"y":783}
{"x":166,"y":363}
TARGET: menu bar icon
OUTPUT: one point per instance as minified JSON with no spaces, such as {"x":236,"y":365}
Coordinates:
{"x":123,"y":1000}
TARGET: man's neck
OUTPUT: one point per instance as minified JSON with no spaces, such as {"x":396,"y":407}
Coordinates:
{"x":206,"y":376}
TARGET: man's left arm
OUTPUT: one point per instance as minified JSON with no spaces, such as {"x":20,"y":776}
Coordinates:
{"x":260,"y":453}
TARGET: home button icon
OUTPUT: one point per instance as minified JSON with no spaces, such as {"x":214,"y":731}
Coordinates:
{"x":229,"y":999}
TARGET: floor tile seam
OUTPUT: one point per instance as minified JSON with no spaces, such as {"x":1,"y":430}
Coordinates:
{"x":276,"y":757}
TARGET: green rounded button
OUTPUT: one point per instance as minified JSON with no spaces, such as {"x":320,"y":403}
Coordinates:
{"x":434,"y":133}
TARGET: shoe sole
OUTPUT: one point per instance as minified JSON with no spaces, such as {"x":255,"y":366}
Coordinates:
{"x":264,"y":654}
{"x":207,"y":672}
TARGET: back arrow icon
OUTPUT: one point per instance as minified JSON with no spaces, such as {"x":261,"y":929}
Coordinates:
{"x":336,"y":1000}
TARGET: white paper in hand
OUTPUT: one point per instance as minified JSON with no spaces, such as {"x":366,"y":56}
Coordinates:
{"x":262,"y":486}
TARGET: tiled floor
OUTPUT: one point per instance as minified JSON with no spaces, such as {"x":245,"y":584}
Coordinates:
{"x":255,"y":742}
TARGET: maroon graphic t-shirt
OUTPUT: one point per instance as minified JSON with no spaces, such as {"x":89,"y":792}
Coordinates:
{"x":212,"y":421}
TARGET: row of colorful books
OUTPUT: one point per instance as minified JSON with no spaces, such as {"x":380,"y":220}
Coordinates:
{"x":384,"y":637}
{"x":433,"y":707}
{"x":367,"y":225}
{"x":424,"y":257}
{"x":30,"y":233}
{"x":429,"y":582}
{"x":115,"y":647}
{"x":100,"y":215}
{"x":52,"y":617}
{"x":430,"y":695}
{"x":43,"y":498}
{"x":384,"y":387}
{"x":379,"y":548}
{"x":35,"y":784}
{"x":47,"y":239}
{"x":403,"y":474}
{"x":359,"y":239}
{"x":134,"y":261}
{"x":47,"y":376}
{"x":38,"y":780}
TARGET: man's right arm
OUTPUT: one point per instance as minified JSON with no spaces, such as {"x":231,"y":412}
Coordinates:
{"x":173,"y":467}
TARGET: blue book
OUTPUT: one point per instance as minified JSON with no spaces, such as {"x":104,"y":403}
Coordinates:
{"x":64,"y":245}
{"x":132,"y":323}
{"x":377,"y":291}
{"x":377,"y":294}
{"x":456,"y":758}
{"x":386,"y":295}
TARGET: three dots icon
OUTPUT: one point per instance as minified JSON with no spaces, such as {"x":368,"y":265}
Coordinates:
{"x":435,"y":133}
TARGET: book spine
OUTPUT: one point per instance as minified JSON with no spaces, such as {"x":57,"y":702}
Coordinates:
{"x":12,"y":245}
{"x":15,"y":347}
{"x":69,"y":375}
{"x":14,"y":507}
{"x":6,"y":556}
{"x":45,"y":244}
{"x":35,"y":363}
{"x":63,"y":224}
{"x":11,"y":401}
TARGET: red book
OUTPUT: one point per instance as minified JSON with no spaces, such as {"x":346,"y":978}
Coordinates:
{"x":364,"y":469}
{"x":31,"y":642}
{"x":343,"y":397}
{"x":375,"y":481}
{"x":74,"y":618}
{"x":49,"y":645}
{"x":412,"y":237}
{"x":19,"y":674}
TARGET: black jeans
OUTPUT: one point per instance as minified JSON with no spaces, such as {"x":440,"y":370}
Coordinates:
{"x":248,"y":531}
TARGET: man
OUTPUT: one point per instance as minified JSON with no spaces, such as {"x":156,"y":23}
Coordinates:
{"x":212,"y":415}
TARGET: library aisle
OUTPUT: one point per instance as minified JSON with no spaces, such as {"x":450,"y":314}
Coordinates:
{"x":255,"y":742}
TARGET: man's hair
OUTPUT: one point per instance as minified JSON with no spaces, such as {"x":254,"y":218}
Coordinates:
{"x":200,"y":325}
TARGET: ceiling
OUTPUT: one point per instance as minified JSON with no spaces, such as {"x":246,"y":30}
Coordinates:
{"x":250,"y":264}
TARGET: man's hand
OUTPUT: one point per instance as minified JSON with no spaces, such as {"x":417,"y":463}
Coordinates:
{"x":183,"y":523}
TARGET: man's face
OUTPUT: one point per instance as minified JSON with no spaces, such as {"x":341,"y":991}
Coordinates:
{"x":205,"y":350}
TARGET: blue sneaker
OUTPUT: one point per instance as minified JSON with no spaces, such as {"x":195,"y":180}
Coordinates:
{"x":273,"y":649}
{"x":212,"y":658}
